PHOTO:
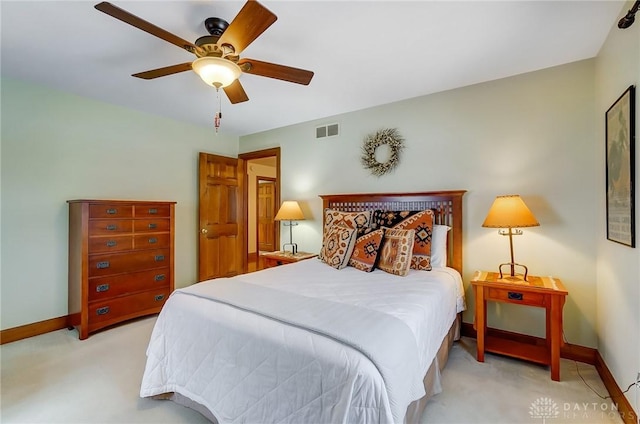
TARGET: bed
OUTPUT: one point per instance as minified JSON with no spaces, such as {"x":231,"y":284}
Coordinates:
{"x":309,"y":343}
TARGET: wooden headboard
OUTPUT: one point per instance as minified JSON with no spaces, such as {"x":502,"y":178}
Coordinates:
{"x":447,"y":207}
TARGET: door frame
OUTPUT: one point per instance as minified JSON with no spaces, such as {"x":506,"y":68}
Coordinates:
{"x":258,"y":154}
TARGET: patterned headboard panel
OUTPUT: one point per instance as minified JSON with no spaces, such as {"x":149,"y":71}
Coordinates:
{"x":447,"y":207}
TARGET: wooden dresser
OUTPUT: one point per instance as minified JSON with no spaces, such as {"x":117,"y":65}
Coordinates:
{"x":121,"y":256}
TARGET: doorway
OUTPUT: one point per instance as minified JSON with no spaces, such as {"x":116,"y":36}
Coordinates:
{"x":265,"y":213}
{"x":262,"y":197}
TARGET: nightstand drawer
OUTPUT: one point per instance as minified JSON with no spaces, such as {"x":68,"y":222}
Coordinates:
{"x":513,"y":295}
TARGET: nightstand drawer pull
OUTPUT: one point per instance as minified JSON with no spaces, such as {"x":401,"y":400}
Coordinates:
{"x":112,"y":227}
{"x":514,"y":296}
{"x":159,"y":297}
{"x":102,"y":288}
{"x":159,"y":277}
{"x":153,"y":240}
{"x":112,"y":243}
{"x":153,"y":226}
{"x":102,"y":265}
{"x":159,"y":258}
{"x":112,"y":211}
{"x":153,"y":211}
{"x":102,"y":311}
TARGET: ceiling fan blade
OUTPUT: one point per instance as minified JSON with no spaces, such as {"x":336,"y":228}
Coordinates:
{"x":139,"y":23}
{"x":235,"y":92}
{"x":163,"y":72}
{"x":252,"y":20}
{"x":272,"y":70}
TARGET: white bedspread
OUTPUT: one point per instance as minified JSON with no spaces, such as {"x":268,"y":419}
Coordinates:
{"x":244,"y":367}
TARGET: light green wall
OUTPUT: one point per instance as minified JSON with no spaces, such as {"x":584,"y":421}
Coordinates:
{"x":532,"y":134}
{"x":618,"y":267}
{"x":57,"y":146}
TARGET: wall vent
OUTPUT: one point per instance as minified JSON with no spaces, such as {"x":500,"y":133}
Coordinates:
{"x":327,"y":131}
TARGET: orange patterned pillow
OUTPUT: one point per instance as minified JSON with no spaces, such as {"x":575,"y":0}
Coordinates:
{"x":357,"y":220}
{"x":366,"y":250}
{"x":421,"y":222}
{"x":337,"y":246}
{"x":395,"y":253}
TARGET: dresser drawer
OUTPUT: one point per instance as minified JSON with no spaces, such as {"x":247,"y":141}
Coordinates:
{"x":151,"y":211}
{"x":110,"y":244}
{"x":117,"y":263}
{"x":146,"y":225}
{"x":127,"y":306}
{"x":117,"y":285}
{"x":99,"y":227}
{"x":512,"y":295}
{"x":110,"y":211}
{"x":152,"y":241}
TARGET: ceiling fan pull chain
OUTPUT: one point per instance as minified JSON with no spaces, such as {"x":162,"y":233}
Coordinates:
{"x":218,"y":116}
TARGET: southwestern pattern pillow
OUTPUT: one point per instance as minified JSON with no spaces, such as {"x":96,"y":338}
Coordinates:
{"x":395,"y":254}
{"x":366,"y":250}
{"x":421,"y":222}
{"x":359,"y":220}
{"x":337,"y":246}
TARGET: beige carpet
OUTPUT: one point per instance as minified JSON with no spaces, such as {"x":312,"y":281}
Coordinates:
{"x":56,"y":378}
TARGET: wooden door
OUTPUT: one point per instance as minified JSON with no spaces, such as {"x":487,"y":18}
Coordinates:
{"x":266,"y":212}
{"x":221,"y":245}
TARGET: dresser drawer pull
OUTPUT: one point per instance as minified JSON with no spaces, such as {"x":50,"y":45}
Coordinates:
{"x":153,"y":211}
{"x":153,"y":240}
{"x":102,"y":265}
{"x":159,"y":277}
{"x":153,"y":226}
{"x":112,"y":243}
{"x":159,"y":258}
{"x":159,"y":297}
{"x":102,"y":288}
{"x":102,"y":311}
{"x":112,"y":227}
{"x":514,"y":296}
{"x":112,"y":211}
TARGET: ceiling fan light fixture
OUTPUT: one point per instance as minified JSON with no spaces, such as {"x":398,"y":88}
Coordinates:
{"x":216,"y":71}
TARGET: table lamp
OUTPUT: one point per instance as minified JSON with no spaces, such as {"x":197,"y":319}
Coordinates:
{"x":510,"y":212}
{"x":290,"y":211}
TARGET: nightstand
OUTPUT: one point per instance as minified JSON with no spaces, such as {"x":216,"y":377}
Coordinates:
{"x":543,"y":292}
{"x":272,"y":259}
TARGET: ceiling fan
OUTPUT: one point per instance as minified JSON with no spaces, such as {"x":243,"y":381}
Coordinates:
{"x":218,"y":62}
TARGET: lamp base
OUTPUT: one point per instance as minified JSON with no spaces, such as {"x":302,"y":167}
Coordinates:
{"x":294,"y":248}
{"x":512,"y":275}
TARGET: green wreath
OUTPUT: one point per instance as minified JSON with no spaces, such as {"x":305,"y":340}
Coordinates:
{"x":390,"y":137}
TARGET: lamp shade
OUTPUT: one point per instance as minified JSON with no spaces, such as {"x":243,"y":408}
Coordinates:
{"x":509,"y":211}
{"x":289,"y":211}
{"x":216,"y":71}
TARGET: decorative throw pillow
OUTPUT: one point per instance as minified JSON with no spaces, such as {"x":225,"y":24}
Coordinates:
{"x":439,"y":246}
{"x":358,"y":220}
{"x":337,"y":246}
{"x":395,"y":253}
{"x":366,"y":250}
{"x":421,"y":222}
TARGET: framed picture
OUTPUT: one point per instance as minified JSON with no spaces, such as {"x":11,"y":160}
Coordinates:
{"x":620,"y":174}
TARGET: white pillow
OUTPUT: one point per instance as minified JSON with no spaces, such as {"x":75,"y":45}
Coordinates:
{"x":439,"y":245}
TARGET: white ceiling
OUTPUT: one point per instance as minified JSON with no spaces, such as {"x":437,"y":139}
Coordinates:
{"x":363,"y":53}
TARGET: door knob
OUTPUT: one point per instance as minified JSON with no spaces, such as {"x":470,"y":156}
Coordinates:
{"x":204,"y":231}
